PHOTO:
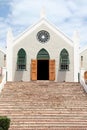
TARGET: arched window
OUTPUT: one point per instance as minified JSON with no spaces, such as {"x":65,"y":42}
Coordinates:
{"x":64,"y":60}
{"x":43,"y":54}
{"x":21,"y":60}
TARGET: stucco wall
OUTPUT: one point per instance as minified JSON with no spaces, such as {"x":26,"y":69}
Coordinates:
{"x":2,"y":62}
{"x":32,"y":46}
{"x":84,"y":62}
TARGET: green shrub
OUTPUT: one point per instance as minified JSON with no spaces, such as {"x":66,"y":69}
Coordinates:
{"x":4,"y":123}
{"x":1,"y":128}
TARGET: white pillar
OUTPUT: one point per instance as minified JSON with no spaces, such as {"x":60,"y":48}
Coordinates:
{"x":9,"y":55}
{"x":82,"y":73}
{"x":43,"y":13}
{"x":76,"y":55}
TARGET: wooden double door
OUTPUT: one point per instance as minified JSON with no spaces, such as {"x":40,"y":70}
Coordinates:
{"x":43,"y":70}
{"x":85,"y":75}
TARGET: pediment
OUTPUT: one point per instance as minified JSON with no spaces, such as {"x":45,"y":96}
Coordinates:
{"x":41,"y":23}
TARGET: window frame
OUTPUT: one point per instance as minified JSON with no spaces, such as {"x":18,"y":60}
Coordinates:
{"x":21,"y":60}
{"x":81,"y":58}
{"x":64,"y":60}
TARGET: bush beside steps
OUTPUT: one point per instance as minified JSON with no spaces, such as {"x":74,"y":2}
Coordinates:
{"x":4,"y":123}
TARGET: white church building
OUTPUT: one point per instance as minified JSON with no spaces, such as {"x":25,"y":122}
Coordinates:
{"x":43,"y":52}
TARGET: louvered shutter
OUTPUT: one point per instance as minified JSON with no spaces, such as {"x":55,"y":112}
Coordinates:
{"x":33,"y":69}
{"x":85,"y":75}
{"x":51,"y":69}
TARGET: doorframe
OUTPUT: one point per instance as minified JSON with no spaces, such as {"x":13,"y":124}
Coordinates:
{"x":51,"y":69}
{"x":48,"y":67}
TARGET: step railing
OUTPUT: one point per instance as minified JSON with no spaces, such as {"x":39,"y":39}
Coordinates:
{"x":3,"y":82}
{"x":84,"y":83}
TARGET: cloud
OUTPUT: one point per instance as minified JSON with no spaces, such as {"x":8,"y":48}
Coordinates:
{"x":27,"y":11}
{"x":67,"y":15}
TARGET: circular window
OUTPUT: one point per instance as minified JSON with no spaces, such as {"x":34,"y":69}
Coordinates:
{"x":43,"y":36}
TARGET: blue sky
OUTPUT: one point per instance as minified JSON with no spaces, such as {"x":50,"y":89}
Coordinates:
{"x":67,"y":15}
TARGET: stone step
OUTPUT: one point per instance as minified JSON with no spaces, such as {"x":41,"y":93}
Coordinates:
{"x":45,"y":86}
{"x":44,"y":105}
{"x":47,"y":121}
{"x":36,"y":110}
{"x":54,"y":124}
{"x":51,"y":128}
{"x":15,"y":113}
{"x":47,"y":117}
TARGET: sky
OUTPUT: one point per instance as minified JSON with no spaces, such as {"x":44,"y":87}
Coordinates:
{"x":67,"y":15}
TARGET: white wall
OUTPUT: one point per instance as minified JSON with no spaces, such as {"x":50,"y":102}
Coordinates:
{"x":84,"y":54}
{"x":2,"y":62}
{"x":32,"y":46}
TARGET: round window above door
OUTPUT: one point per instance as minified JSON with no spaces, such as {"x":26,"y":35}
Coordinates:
{"x":43,"y":36}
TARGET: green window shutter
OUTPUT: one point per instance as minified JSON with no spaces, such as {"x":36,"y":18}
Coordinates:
{"x":64,"y":60}
{"x":43,"y":54}
{"x":21,"y":59}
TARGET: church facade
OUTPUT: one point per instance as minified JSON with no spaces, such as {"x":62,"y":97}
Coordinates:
{"x":42,"y":52}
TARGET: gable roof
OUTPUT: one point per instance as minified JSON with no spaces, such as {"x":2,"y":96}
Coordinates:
{"x":49,"y":25}
{"x":3,"y":51}
{"x":83,"y":49}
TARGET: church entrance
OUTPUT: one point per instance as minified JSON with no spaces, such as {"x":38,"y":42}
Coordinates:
{"x":43,"y":65}
{"x":43,"y":70}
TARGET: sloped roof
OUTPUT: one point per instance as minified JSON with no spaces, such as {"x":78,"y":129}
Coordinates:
{"x":3,"y":51}
{"x":83,"y":49}
{"x":49,"y":25}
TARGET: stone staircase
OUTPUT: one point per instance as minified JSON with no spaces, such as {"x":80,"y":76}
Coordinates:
{"x":44,"y":105}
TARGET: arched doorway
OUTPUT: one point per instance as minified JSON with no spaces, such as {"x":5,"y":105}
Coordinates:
{"x":42,"y":68}
{"x":43,"y":65}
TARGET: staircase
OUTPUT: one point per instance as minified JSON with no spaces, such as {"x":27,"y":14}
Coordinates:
{"x":44,"y":105}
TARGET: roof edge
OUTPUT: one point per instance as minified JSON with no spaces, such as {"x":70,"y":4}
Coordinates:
{"x":45,"y":20}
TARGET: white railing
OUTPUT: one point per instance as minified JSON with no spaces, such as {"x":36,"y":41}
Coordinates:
{"x":3,"y":79}
{"x":2,"y":83}
{"x":84,"y":84}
